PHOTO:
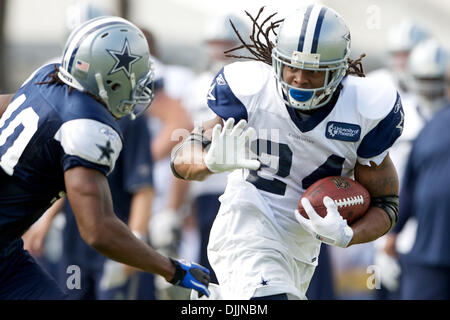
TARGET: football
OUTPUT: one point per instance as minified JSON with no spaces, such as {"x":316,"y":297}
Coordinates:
{"x":351,"y":198}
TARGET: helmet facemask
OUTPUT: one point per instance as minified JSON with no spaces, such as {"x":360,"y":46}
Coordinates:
{"x":303,"y":98}
{"x":140,"y":99}
{"x":312,"y":38}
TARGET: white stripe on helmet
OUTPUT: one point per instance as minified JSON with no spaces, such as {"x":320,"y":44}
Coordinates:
{"x":75,"y":38}
{"x":311,"y":28}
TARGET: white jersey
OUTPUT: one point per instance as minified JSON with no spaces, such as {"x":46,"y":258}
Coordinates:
{"x":360,"y":126}
{"x":414,"y":120}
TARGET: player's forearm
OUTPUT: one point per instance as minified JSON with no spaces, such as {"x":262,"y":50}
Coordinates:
{"x":382,"y":183}
{"x":178,"y":191}
{"x":189,"y":162}
{"x":51,"y":213}
{"x":370,"y":227}
{"x":115,"y":240}
{"x":140,"y":211}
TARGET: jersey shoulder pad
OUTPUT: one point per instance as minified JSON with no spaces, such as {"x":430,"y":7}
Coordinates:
{"x":246,"y":78}
{"x":374,"y":98}
{"x":90,"y":140}
{"x":233,"y":90}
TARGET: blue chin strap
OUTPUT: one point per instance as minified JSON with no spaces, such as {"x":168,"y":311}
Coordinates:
{"x":301,"y":96}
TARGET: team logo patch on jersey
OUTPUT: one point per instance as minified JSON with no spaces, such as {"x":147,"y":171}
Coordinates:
{"x":109,"y":133}
{"x":220,"y":80}
{"x":343,"y":131}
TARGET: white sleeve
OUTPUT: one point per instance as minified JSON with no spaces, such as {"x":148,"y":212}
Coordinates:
{"x":234,"y":88}
{"x":90,"y":140}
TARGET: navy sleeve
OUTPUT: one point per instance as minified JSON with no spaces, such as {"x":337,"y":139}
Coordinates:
{"x":137,"y":159}
{"x":222,"y":100}
{"x":385,"y":133}
{"x":71,"y":161}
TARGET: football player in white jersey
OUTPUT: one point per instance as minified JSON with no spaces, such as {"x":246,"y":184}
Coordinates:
{"x":311,"y":118}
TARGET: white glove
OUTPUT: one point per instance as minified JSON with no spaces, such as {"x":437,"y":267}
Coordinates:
{"x":165,"y":230}
{"x":332,"y":229}
{"x":390,"y":269}
{"x":113,"y":275}
{"x":227,"y":151}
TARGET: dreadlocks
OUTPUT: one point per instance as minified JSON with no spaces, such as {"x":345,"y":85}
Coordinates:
{"x":54,"y":79}
{"x":261,"y":49}
{"x":355,"y":67}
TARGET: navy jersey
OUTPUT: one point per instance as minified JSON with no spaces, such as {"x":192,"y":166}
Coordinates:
{"x":45,"y":131}
{"x":425,"y":193}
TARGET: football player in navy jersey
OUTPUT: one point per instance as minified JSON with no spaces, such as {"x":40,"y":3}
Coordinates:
{"x":306,"y":112}
{"x":131,"y":185}
{"x":59,"y":136}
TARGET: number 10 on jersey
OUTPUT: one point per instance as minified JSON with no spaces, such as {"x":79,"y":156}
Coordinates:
{"x":16,"y":131}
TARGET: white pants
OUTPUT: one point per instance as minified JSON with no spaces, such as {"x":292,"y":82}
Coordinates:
{"x":247,"y":254}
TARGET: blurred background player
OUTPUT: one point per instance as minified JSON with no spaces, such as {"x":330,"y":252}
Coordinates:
{"x":204,"y":196}
{"x":424,"y":74}
{"x":424,"y":267}
{"x":401,"y":40}
{"x":172,"y":229}
{"x":427,"y":70}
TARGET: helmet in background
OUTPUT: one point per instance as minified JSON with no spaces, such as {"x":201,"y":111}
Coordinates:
{"x":427,"y":67}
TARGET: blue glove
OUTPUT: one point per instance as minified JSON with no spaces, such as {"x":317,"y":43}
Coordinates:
{"x":191,"y":276}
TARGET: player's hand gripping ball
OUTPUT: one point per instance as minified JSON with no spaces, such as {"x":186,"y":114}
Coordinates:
{"x":351,"y":198}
